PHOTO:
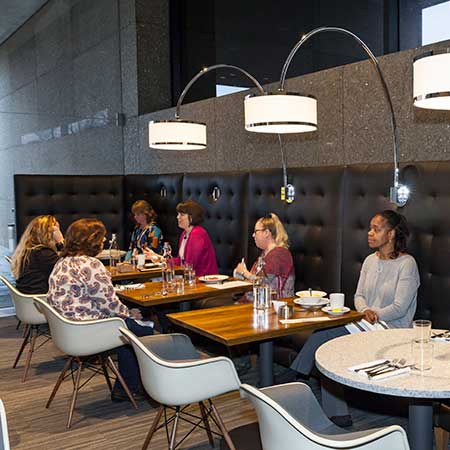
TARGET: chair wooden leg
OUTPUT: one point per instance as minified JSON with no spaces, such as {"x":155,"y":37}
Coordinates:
{"x":75,"y":392}
{"x":224,"y":431}
{"x":24,"y":343}
{"x":19,"y":322}
{"x":33,"y":336}
{"x":206,"y":423}
{"x":122,"y":381}
{"x":441,"y":437}
{"x":59,"y":381}
{"x":174,"y":429}
{"x":105,"y":373}
{"x":153,"y":428}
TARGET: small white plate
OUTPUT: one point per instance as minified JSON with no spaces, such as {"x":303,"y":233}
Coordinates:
{"x":104,"y":254}
{"x":328,"y":310}
{"x":213,"y":278}
{"x":308,"y":304}
{"x":151,"y":265}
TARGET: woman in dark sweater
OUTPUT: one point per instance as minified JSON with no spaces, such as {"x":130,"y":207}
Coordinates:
{"x":36,"y":254}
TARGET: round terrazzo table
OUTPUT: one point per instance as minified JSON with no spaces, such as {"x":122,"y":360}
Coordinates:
{"x":335,"y":357}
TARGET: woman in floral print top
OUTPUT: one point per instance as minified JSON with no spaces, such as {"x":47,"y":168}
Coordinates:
{"x":80,"y":288}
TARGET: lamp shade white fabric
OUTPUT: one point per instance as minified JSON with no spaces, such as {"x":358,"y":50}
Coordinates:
{"x":431,"y":87}
{"x":280,"y":113}
{"x":176,"y":135}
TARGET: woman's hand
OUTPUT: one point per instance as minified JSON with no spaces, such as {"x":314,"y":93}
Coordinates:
{"x":241,"y":268}
{"x":150,"y":254}
{"x":135,"y":314}
{"x":370,"y":316}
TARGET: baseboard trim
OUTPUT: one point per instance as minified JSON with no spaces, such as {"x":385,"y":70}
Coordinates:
{"x":7,"y":312}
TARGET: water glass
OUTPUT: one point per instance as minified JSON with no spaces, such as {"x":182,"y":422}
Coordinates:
{"x":261,"y":297}
{"x":189,"y":277}
{"x":422,"y":330}
{"x":168,"y":276}
{"x":422,"y":354}
{"x":179,"y":285}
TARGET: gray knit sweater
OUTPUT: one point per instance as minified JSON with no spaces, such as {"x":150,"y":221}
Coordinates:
{"x":389,"y":287}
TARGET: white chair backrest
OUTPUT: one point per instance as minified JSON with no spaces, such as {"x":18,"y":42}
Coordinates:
{"x":4,"y":438}
{"x":26,"y":311}
{"x":182,"y":382}
{"x":82,"y":338}
{"x":8,"y":258}
{"x":280,"y":430}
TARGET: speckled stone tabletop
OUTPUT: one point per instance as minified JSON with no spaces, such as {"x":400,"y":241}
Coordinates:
{"x":335,"y":357}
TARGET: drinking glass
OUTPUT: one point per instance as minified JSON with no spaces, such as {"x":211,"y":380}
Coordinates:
{"x":422,"y":354}
{"x":422,"y":330}
{"x":168,"y":276}
{"x":179,"y":285}
{"x":261,"y":297}
{"x":189,"y":277}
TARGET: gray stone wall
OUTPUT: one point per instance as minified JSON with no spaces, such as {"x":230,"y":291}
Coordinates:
{"x":353,"y":120}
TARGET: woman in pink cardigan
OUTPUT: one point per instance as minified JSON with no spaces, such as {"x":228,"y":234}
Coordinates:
{"x":195,"y":244}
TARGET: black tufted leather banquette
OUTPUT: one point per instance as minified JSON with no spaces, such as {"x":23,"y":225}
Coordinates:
{"x":327,"y":224}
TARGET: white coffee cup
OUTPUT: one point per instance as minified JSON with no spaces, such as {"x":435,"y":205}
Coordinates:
{"x":337,"y":301}
{"x":140,"y":260}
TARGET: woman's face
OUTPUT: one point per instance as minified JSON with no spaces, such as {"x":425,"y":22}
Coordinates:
{"x":183,"y":220}
{"x":260,"y":235}
{"x":379,"y":234}
{"x":141,"y":219}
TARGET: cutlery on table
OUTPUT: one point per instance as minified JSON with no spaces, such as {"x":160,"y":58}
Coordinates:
{"x":393,"y":365}
{"x":373,"y":366}
{"x":391,"y":369}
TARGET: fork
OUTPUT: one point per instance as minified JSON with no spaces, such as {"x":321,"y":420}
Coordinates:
{"x":394,"y":364}
{"x":373,"y":366}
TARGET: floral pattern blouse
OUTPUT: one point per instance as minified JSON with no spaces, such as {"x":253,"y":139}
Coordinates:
{"x":80,"y":288}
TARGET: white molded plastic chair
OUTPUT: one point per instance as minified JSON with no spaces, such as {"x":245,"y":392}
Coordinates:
{"x":4,"y":439}
{"x":84,"y":342}
{"x":28,"y":314}
{"x":174,"y":375}
{"x":290,"y":417}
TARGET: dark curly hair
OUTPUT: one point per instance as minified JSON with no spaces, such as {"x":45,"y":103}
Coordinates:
{"x":84,"y":237}
{"x":398,"y":223}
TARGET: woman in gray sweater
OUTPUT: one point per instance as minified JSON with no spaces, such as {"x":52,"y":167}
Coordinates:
{"x":387,"y":290}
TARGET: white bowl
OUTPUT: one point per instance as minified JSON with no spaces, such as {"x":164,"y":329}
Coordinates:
{"x":313,"y":296}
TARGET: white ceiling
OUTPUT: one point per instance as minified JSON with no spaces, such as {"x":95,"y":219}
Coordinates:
{"x":14,"y":13}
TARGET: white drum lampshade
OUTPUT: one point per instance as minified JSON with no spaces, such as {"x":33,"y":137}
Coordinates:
{"x":280,"y":113}
{"x":431,"y":88}
{"x":176,"y":135}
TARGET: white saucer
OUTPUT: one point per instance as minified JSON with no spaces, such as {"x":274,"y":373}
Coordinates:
{"x":308,"y":304}
{"x":328,"y":310}
{"x":213,"y":278}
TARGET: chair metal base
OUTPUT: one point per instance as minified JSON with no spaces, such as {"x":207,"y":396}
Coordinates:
{"x":31,"y":333}
{"x":91,"y":362}
{"x":180,"y":413}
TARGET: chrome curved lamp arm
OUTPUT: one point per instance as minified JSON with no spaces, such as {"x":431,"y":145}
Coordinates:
{"x":204,"y":71}
{"x":376,"y":64}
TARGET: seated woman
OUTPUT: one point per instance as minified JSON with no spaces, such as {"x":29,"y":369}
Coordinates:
{"x":80,"y":288}
{"x":271,"y":238}
{"x":387,"y":290}
{"x":195,"y":246}
{"x":36,"y":254}
{"x":146,"y":233}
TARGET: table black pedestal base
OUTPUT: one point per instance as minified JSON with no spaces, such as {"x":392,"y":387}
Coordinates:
{"x":420,"y":425}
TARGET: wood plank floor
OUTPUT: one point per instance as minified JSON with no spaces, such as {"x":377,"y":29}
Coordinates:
{"x":98,"y":423}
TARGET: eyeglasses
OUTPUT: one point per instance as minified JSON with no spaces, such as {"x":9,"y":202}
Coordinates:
{"x":258,"y":229}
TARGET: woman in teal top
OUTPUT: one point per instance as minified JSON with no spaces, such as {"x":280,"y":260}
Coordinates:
{"x":146,"y":234}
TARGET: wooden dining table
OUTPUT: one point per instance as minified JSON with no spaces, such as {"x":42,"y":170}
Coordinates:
{"x":151,"y":293}
{"x":241,"y":324}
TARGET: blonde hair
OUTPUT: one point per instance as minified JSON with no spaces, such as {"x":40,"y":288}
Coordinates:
{"x":272,"y":223}
{"x":38,"y":234}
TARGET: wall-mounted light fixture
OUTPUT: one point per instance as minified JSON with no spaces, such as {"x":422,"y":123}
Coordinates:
{"x":180,"y":134}
{"x":286,"y":112}
{"x":431,"y":85}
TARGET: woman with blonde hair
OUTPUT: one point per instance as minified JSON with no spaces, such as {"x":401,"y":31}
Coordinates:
{"x":271,"y":238}
{"x":36,"y":254}
{"x":146,"y":234}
